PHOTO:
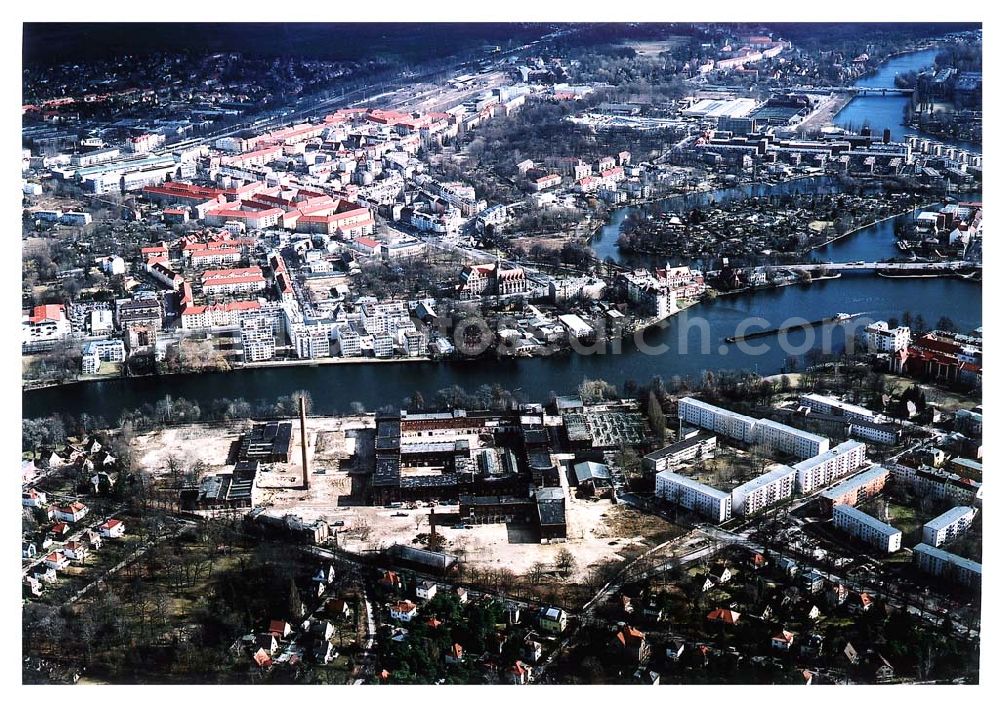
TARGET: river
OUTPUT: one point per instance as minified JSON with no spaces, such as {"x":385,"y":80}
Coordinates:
{"x":334,"y":387}
{"x":881,"y":112}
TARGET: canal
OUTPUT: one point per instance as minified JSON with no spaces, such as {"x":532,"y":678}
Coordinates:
{"x":682,"y":347}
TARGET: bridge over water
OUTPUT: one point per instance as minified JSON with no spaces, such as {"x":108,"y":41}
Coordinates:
{"x":942,"y":266}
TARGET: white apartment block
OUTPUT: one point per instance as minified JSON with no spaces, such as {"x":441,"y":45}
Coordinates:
{"x":383,"y":345}
{"x":697,"y":497}
{"x":867,"y":529}
{"x":948,"y":526}
{"x":258,"y":339}
{"x":880,"y":338}
{"x":91,"y":362}
{"x":837,"y":462}
{"x":832,"y":406}
{"x":349,"y":341}
{"x":787,"y":439}
{"x":880,"y":433}
{"x":941,"y":563}
{"x":763,"y":491}
{"x":384,"y":317}
{"x":718,"y":420}
{"x":310,"y":341}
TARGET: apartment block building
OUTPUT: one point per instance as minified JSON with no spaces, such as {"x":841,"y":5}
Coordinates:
{"x":718,"y":420}
{"x":763,"y":491}
{"x":700,"y":498}
{"x":258,"y":339}
{"x":948,"y":526}
{"x":349,"y":341}
{"x":787,"y":439}
{"x":233,"y":281}
{"x":833,"y":406}
{"x":310,"y":341}
{"x":856,"y":489}
{"x":837,"y":462}
{"x":880,"y":338}
{"x":938,"y":484}
{"x":942,"y":564}
{"x":694,"y":447}
{"x":880,"y":433}
{"x":867,"y":529}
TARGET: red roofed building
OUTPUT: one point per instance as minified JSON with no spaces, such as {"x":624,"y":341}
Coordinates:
{"x":940,"y":356}
{"x":279,"y":629}
{"x":262,"y":658}
{"x":233,"y":280}
{"x":782,"y":641}
{"x":519,"y":674}
{"x":44,"y":323}
{"x":249,"y":217}
{"x":112,"y":528}
{"x":71,"y":513}
{"x":56,"y":560}
{"x":254,"y":158}
{"x":721,"y":614}
{"x":631,"y":642}
{"x":182,"y":193}
{"x":454,"y":655}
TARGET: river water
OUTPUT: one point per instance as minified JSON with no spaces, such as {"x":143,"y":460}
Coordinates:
{"x":680,"y":347}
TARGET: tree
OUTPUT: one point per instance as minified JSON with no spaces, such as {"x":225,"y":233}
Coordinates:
{"x":536,"y":572}
{"x":565,"y":561}
{"x":657,"y":420}
{"x":294,"y":601}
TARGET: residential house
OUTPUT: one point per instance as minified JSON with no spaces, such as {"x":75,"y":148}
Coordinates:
{"x":93,"y":539}
{"x":56,"y":561}
{"x":391,"y":579}
{"x":71,"y":513}
{"x":338,"y":609}
{"x":724,"y":616}
{"x":75,"y":550}
{"x":782,"y":641}
{"x":279,"y":629}
{"x":631,"y":643}
{"x":454,"y":655}
{"x":45,"y":574}
{"x":323,"y":630}
{"x":426,"y":590}
{"x":112,"y":528}
{"x":519,"y":674}
{"x":32,"y":586}
{"x":262,"y":659}
{"x":404,"y":610}
{"x":28,"y":549}
{"x":674,"y":649}
{"x":531,"y":650}
{"x":324,"y":652}
{"x":552,"y":619}
{"x":32,"y":498}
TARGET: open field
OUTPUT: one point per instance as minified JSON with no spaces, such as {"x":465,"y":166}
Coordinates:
{"x":655,"y":48}
{"x":341,"y":456}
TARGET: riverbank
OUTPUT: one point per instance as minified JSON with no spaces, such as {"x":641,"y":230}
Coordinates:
{"x":825,"y":113}
{"x":322,"y":361}
{"x":869,"y":225}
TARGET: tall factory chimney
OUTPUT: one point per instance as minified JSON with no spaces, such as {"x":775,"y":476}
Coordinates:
{"x":302,"y":435}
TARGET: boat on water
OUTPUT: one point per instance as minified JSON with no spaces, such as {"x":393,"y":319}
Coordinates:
{"x":835,"y":319}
